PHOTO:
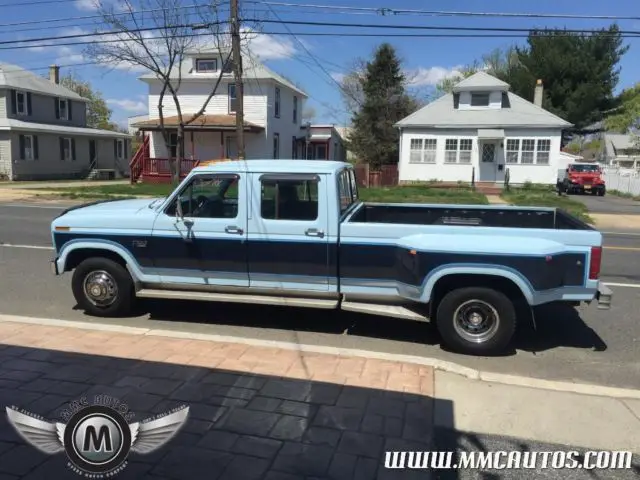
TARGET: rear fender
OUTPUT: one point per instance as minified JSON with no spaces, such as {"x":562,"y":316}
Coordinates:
{"x":494,"y":270}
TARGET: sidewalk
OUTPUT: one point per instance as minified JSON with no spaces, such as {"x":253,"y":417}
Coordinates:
{"x":275,"y":414}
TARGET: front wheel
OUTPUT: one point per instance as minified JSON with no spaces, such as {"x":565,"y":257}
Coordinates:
{"x":476,"y":321}
{"x":102,"y":287}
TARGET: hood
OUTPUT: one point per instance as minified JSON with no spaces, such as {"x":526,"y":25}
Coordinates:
{"x":112,"y":206}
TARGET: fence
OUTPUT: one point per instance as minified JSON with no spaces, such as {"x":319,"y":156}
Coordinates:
{"x":622,"y":180}
{"x":386,"y":177}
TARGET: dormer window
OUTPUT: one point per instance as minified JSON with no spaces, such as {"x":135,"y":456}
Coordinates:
{"x":480,"y":99}
{"x":204,"y":65}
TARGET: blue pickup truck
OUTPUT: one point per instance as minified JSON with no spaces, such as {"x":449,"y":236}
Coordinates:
{"x":294,"y":233}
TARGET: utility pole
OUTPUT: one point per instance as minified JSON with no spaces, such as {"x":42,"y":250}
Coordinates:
{"x":237,"y":70}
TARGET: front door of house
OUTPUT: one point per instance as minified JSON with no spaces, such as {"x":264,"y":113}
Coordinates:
{"x":488,"y":163}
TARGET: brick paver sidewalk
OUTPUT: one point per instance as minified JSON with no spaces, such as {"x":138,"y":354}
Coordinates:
{"x":256,"y":413}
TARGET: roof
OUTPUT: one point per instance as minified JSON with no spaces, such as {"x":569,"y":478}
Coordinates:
{"x":10,"y":124}
{"x":276,"y":166}
{"x":480,"y":81}
{"x":621,"y":141}
{"x":252,"y":68}
{"x":12,"y":76}
{"x":203,"y":121}
{"x":441,"y":114}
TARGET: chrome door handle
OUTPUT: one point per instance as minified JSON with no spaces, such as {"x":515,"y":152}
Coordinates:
{"x":314,"y":232}
{"x":235,"y":230}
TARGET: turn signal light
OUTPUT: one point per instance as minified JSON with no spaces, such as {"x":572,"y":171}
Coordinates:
{"x":595,"y":263}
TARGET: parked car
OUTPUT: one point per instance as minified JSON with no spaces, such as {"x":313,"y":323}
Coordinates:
{"x":582,"y":178}
{"x":294,"y":233}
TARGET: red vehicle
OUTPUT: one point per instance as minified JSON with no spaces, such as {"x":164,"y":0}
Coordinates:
{"x":583,"y":178}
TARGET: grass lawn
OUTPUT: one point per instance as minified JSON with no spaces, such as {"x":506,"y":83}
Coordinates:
{"x":546,"y":198}
{"x":412,"y":194}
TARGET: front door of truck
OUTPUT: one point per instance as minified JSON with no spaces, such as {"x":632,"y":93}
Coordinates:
{"x":288,"y":234}
{"x":205,"y":243}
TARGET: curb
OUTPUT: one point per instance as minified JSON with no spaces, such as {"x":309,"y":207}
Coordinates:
{"x":436,"y":364}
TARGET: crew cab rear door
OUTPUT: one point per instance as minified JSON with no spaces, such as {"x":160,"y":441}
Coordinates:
{"x":207,"y":245}
{"x":288,"y":235}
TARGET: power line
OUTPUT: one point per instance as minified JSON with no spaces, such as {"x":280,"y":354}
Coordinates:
{"x":386,"y":11}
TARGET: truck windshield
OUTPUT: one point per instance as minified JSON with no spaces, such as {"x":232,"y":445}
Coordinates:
{"x":347,"y":189}
{"x":585,"y":168}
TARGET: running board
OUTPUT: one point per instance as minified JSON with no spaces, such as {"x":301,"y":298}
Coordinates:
{"x":396,"y":311}
{"x":238,"y":298}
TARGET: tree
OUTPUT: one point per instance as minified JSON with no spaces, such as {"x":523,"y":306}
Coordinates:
{"x":374,"y":137}
{"x":156,"y":36}
{"x":627,"y":116}
{"x":98,"y":114}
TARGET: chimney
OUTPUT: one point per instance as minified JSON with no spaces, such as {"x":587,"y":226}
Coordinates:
{"x":54,"y":74}
{"x":537,"y":94}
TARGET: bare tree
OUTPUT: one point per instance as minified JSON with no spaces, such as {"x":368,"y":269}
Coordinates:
{"x":156,"y":35}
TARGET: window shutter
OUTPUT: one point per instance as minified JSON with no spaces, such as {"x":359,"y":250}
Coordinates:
{"x":73,"y":149}
{"x":57,"y":108}
{"x":115,"y":148}
{"x":70,"y":110}
{"x":22,"y":155}
{"x":456,"y":100}
{"x":61,"y":147}
{"x":36,"y":151}
{"x":28,"y":103}
{"x":14,"y":102}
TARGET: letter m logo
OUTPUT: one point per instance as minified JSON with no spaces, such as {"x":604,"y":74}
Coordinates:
{"x":97,"y":441}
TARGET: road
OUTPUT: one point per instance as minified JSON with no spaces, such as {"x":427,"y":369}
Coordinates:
{"x":609,"y":204}
{"x":583,"y":345}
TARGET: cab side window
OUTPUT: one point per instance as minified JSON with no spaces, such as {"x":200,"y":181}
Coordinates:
{"x":208,"y":196}
{"x":289,"y":199}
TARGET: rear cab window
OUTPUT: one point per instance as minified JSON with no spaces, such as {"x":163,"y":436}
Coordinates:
{"x":347,"y":190}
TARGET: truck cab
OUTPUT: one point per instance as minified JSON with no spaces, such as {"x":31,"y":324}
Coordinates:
{"x":295,"y":233}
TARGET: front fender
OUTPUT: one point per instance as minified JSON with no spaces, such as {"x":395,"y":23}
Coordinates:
{"x":94,"y":244}
{"x":476,"y":269}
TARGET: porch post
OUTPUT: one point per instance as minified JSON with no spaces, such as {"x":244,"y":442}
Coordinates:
{"x":193,"y":147}
{"x":222,"y":155}
{"x":326,"y":157}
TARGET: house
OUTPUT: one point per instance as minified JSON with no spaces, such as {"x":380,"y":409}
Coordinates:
{"x":480,"y":131}
{"x":344,"y":133}
{"x":320,"y":142}
{"x":132,"y":121}
{"x":622,"y":150}
{"x":273,"y":109}
{"x":44,"y":133}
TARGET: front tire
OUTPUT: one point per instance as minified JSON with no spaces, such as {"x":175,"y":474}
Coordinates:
{"x":102,"y":287}
{"x":476,"y":321}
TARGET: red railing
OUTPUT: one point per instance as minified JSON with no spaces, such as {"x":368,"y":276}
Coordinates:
{"x":135,"y":165}
{"x":156,"y":170}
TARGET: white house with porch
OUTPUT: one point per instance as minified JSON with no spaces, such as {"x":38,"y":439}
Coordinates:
{"x":272,"y":110}
{"x":481,"y":129}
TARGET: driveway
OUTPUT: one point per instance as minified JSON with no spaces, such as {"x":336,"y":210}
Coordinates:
{"x":608,"y":204}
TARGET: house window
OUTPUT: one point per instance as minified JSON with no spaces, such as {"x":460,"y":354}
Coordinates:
{"x":62,"y":109}
{"x":423,"y":150}
{"x":286,"y":199}
{"x":542,"y":152}
{"x":173,"y":145}
{"x":67,"y":149}
{"x":451,"y":150}
{"x":206,"y":65}
{"x":28,"y":147}
{"x":513,"y":149}
{"x":276,"y":145}
{"x":21,"y":103}
{"x":528,"y":150}
{"x":232,"y":98}
{"x":321,"y":152}
{"x":277,"y":103}
{"x":479,"y":99}
{"x":466,"y":144}
{"x":295,"y":109}
{"x":120,"y":149}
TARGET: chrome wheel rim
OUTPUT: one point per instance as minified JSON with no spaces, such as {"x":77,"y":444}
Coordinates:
{"x":476,"y":321}
{"x":100,"y":288}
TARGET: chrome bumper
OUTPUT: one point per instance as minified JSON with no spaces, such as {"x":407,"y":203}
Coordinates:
{"x":54,"y":267}
{"x":604,"y":297}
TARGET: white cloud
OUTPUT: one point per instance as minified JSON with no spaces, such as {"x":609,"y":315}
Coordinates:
{"x":133,"y":106}
{"x":431,"y":76}
{"x":87,"y":5}
{"x":337,"y":76}
{"x":269,"y":47}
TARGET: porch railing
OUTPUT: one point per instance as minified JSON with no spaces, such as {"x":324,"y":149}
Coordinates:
{"x":159,"y":167}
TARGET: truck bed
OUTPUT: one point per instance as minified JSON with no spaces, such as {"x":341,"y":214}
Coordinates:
{"x":468,"y":215}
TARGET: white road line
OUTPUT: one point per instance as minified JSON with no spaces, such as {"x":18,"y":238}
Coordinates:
{"x":15,"y":205}
{"x":34,"y":247}
{"x":625,"y":285}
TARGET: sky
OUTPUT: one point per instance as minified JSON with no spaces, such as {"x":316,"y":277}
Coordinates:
{"x":314,"y":63}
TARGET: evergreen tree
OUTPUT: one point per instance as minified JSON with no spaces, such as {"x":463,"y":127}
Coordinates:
{"x":374,"y":137}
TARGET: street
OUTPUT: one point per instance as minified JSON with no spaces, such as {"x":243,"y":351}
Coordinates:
{"x":582,"y":345}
